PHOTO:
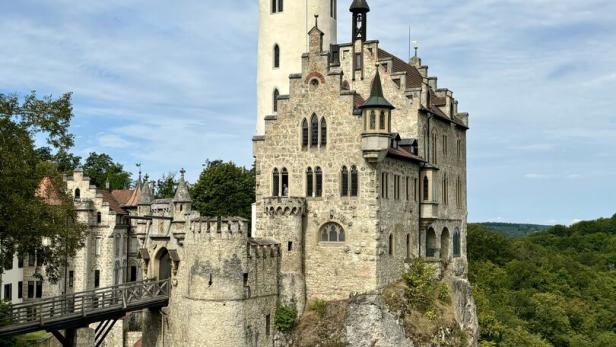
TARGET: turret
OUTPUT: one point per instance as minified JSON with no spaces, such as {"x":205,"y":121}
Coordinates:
{"x":376,"y":115}
{"x":144,"y":204}
{"x":181,"y":200}
{"x":360,"y":10}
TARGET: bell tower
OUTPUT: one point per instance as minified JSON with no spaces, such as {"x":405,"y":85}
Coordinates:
{"x":283,"y":38}
{"x":359,"y":9}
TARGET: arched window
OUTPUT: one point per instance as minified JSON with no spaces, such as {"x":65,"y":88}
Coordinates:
{"x":426,"y":188}
{"x":456,"y":243}
{"x":444,"y":190}
{"x":344,"y":181}
{"x":314,"y":130}
{"x":391,"y":244}
{"x":275,"y":100}
{"x":430,"y":243}
{"x":333,"y":9}
{"x":276,"y":56}
{"x":304,"y":132}
{"x":99,"y":218}
{"x":309,"y":182}
{"x":354,"y":181}
{"x":372,"y":120}
{"x":77,"y":193}
{"x":331,"y":232}
{"x":323,"y":132}
{"x":319,"y":181}
{"x":277,"y":6}
{"x":382,"y":120}
{"x":445,"y":244}
{"x":285,"y":182}
{"x":275,"y":182}
{"x":434,"y":147}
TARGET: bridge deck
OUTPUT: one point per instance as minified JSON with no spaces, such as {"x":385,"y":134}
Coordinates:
{"x":83,"y":308}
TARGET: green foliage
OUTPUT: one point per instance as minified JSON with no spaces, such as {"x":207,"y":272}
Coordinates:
{"x":165,"y":186}
{"x":224,"y":189}
{"x":65,"y":162}
{"x":552,"y":288}
{"x":102,"y":169}
{"x":420,"y":283}
{"x":443,"y":293}
{"x":286,"y":318}
{"x":29,"y":216}
{"x":318,"y":306}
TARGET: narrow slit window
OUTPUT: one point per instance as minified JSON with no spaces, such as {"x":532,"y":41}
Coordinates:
{"x":354,"y":181}
{"x":323,"y":132}
{"x":314,"y":129}
{"x":309,"y":182}
{"x":285,"y":182}
{"x":319,"y":181}
{"x":344,"y":180}
{"x":276,"y":56}
{"x":304,"y":132}
{"x":275,"y":183}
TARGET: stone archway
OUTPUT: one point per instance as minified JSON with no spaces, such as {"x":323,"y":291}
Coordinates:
{"x":445,"y":244}
{"x":163,"y":265}
{"x":430,"y":243}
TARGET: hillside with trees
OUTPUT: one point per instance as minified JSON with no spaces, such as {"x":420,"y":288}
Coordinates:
{"x":515,"y":229}
{"x":552,"y":288}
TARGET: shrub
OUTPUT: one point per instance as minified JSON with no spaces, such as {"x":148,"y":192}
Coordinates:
{"x":285,"y":319}
{"x":318,"y":306}
{"x":443,"y":293}
{"x":420,"y":284}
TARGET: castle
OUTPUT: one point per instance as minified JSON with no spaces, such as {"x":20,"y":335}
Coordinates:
{"x":360,"y":167}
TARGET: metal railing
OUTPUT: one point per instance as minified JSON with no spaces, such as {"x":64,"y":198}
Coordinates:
{"x":116,"y":298}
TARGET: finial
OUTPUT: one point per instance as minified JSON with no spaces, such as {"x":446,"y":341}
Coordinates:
{"x":139,"y":166}
{"x":146,"y":177}
{"x":416,"y":46}
{"x":316,"y":20}
{"x":182,"y":172}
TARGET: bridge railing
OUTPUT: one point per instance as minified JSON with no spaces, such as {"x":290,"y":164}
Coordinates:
{"x":88,"y":302}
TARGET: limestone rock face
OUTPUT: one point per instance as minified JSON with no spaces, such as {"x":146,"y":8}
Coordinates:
{"x":464,"y":308}
{"x":370,"y":324}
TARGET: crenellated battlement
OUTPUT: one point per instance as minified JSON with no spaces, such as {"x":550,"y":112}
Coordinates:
{"x":284,"y":206}
{"x":219,"y":225}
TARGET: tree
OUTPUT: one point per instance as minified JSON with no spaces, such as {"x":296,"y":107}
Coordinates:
{"x":35,"y":218}
{"x":165,"y":186}
{"x":224,"y":189}
{"x":101,"y":169}
{"x":65,"y":161}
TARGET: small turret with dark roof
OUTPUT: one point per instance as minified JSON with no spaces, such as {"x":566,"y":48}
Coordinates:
{"x":359,"y":6}
{"x":376,"y":99}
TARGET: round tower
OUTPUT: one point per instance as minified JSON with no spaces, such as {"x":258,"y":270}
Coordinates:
{"x":283,"y":38}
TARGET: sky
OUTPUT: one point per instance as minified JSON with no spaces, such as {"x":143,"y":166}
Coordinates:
{"x":171,"y":84}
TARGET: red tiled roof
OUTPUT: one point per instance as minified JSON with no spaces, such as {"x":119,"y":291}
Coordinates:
{"x":413,"y":77}
{"x":114,"y":205}
{"x":133,"y":200}
{"x":47,"y":192}
{"x":403,"y":154}
{"x":122,"y":195}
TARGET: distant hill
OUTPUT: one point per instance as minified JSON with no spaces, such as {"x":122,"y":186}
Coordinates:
{"x":514,"y":229}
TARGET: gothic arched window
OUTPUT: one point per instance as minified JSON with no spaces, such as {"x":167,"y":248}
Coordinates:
{"x":372,"y":120}
{"x":275,"y":99}
{"x":344,"y":180}
{"x":275,"y":182}
{"x":331,"y":232}
{"x":354,"y":181}
{"x":323,"y":132}
{"x":382,"y":121}
{"x":426,"y":188}
{"x":77,"y":193}
{"x":456,"y":243}
{"x":314,"y":130}
{"x":309,"y":182}
{"x":304,"y":132}
{"x":285,"y":182}
{"x":276,"y":56}
{"x":319,"y":181}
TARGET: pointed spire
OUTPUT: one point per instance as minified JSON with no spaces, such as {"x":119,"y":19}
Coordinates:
{"x":376,"y":99}
{"x":182,"y":194}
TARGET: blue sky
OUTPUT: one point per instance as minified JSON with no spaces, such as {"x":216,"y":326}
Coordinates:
{"x":172,"y":83}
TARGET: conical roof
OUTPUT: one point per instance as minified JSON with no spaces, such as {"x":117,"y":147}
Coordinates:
{"x":359,"y":6}
{"x":182,"y":194}
{"x":376,"y":99}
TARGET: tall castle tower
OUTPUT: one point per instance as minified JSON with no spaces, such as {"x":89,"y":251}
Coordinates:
{"x":283,"y":28}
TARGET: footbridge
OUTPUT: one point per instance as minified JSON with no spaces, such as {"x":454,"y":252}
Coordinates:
{"x":78,"y":310}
